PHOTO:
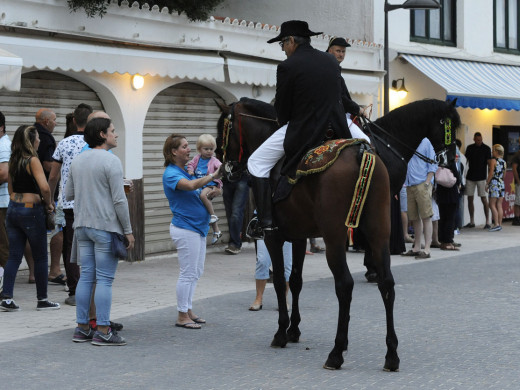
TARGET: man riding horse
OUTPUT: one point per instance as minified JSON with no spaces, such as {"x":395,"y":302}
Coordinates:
{"x":308,"y":102}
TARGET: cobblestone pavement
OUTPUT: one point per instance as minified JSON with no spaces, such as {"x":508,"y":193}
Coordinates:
{"x":456,"y":317}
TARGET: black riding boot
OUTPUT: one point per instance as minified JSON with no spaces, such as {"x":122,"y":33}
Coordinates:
{"x":263,"y":199}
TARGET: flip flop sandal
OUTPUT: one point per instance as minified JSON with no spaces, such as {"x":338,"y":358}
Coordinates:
{"x":410,"y":253}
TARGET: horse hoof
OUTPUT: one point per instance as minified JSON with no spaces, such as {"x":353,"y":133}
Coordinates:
{"x":277,"y":343}
{"x":391,"y":365}
{"x":293,"y":336}
{"x":274,"y":344}
{"x":333,"y":364}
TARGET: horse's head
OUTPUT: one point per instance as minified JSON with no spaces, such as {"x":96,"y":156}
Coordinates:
{"x":242,"y":127}
{"x":434,"y":119}
{"x":442,"y":134}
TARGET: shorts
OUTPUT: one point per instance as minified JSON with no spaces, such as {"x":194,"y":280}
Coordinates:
{"x":517,"y":194}
{"x":470,"y":188}
{"x":59,"y":220}
{"x":402,"y":200}
{"x":435,"y":208}
{"x":419,"y":201}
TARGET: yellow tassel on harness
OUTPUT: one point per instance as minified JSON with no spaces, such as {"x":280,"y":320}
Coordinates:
{"x":366,"y":169}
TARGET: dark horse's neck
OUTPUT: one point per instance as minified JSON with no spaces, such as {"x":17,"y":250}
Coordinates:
{"x":407,"y":126}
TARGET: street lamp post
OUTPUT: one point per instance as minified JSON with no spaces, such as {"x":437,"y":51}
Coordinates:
{"x":408,"y":4}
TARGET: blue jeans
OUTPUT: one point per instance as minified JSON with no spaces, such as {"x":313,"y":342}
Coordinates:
{"x":26,"y":224}
{"x":235,"y":195}
{"x":98,"y":267}
{"x":263,"y":260}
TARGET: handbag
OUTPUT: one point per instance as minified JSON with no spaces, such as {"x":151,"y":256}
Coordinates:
{"x":445,"y":177}
{"x":50,"y":222}
{"x":119,"y":244}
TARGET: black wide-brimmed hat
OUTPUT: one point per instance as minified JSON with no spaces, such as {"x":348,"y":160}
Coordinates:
{"x":295,"y":28}
{"x":337,"y":41}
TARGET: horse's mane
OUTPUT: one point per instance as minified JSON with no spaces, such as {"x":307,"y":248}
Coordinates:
{"x":258,"y":107}
{"x":421,"y":111}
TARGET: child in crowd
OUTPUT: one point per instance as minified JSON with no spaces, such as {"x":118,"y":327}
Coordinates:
{"x":203,"y":164}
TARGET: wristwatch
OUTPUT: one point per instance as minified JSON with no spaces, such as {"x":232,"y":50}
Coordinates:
{"x":211,"y":174}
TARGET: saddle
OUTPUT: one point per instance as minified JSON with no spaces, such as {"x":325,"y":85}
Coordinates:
{"x":316,"y":160}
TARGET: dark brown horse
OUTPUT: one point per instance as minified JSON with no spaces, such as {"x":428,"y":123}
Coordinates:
{"x":318,"y":206}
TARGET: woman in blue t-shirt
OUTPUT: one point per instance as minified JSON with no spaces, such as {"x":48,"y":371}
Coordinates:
{"x":189,"y":226}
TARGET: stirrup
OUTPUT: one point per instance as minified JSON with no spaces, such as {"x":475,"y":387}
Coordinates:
{"x":255,"y":232}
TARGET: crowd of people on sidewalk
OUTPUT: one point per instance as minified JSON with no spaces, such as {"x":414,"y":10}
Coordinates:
{"x":80,"y":182}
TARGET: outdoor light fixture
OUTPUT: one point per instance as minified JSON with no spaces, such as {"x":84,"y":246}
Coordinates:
{"x":137,"y":81}
{"x":402,"y":91}
{"x":408,"y":4}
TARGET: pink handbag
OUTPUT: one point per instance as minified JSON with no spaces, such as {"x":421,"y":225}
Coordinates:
{"x":445,"y":177}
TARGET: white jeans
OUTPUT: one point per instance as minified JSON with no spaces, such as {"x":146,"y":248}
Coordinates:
{"x":271,"y":151}
{"x":191,"y":250}
{"x":267,"y":155}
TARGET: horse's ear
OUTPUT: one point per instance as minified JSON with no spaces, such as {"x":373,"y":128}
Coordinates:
{"x":223,"y":106}
{"x":453,"y":102}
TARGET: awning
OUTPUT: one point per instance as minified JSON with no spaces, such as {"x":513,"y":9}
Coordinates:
{"x":474,"y":84}
{"x":52,"y":55}
{"x":10,"y":71}
{"x":362,"y":84}
{"x":246,"y":71}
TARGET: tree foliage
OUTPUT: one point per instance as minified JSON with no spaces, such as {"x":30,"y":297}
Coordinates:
{"x":194,"y":9}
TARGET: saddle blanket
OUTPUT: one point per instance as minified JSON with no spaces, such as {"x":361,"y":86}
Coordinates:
{"x":320,"y":158}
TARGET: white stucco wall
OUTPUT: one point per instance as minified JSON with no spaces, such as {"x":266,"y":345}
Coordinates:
{"x":352,"y":19}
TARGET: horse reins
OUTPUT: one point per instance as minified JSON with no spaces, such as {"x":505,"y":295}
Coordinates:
{"x":415,"y":152}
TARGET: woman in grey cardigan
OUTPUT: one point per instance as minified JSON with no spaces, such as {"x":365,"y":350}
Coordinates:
{"x":100,"y":208}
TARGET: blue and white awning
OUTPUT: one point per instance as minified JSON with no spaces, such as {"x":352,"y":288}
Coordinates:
{"x":474,"y":84}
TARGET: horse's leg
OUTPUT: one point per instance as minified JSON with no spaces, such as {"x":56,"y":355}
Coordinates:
{"x":336,"y":259}
{"x":295,"y":283}
{"x":385,"y":283}
{"x":274,"y":243}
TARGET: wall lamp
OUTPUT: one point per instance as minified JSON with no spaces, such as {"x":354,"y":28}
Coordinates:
{"x":137,"y":81}
{"x":402,"y":91}
{"x":411,"y":5}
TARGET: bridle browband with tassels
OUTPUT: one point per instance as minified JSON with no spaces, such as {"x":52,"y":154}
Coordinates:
{"x":234,"y":169}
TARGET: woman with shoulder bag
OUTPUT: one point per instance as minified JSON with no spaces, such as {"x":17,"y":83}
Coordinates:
{"x":100,"y":210}
{"x":448,"y":198}
{"x":30,"y":199}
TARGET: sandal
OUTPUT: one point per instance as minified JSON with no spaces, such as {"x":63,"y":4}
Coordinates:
{"x":216,"y":237}
{"x":448,"y":247}
{"x":410,"y":253}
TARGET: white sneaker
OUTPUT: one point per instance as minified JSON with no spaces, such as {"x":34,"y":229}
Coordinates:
{"x":456,"y":232}
{"x":213,"y":218}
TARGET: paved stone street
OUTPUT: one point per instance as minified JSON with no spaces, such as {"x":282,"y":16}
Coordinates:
{"x":456,"y":317}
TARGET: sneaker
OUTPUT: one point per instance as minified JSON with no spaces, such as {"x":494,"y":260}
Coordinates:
{"x":9,"y":305}
{"x":456,"y":232}
{"x":111,"y":338}
{"x":233,"y":250}
{"x":71,"y":300}
{"x":213,"y":218}
{"x":81,"y":335}
{"x":495,"y":229}
{"x":44,"y":304}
